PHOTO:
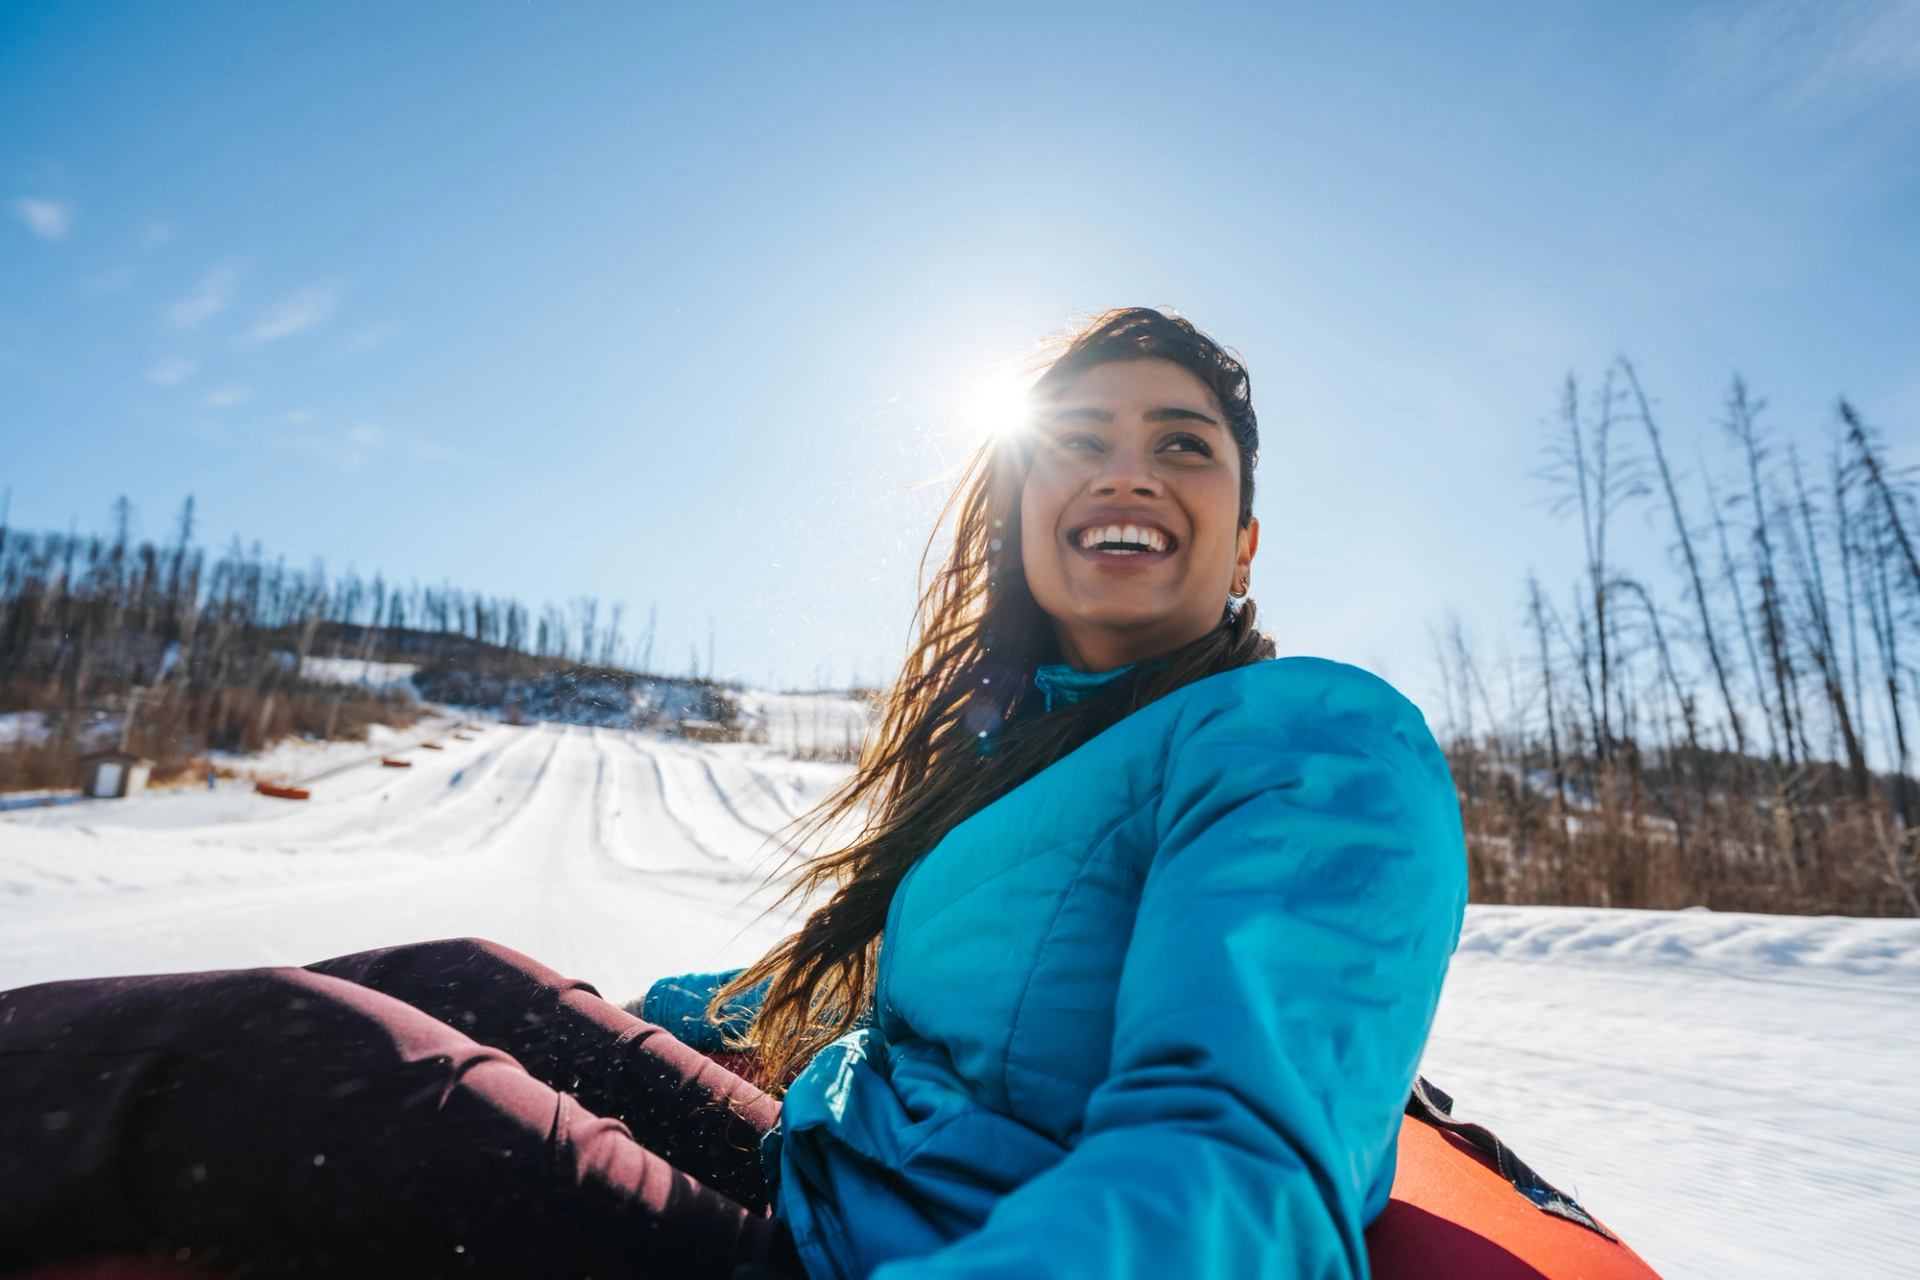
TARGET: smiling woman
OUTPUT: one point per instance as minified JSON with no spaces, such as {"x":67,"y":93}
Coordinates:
{"x":1128,"y":967}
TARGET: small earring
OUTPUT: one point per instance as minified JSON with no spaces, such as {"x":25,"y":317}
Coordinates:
{"x":1242,"y":587}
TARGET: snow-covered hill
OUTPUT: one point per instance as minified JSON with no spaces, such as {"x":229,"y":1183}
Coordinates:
{"x":1735,"y":1094}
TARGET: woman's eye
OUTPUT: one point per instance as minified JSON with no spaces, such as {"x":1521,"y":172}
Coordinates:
{"x":1190,"y":444}
{"x":1079,"y":441}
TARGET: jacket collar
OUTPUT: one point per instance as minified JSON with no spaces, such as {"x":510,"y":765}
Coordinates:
{"x":1060,"y":685}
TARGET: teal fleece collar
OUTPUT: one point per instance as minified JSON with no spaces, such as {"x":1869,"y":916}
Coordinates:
{"x":1062,"y":686}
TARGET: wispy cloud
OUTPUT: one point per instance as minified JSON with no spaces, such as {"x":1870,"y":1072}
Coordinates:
{"x":48,"y":219}
{"x":295,"y":313}
{"x":364,"y":443}
{"x":226,"y":397}
{"x":207,"y":299}
{"x":296,"y":417}
{"x":368,"y":440}
{"x":1828,"y":57}
{"x":171,"y":373}
{"x":366,"y":339}
{"x":1886,"y":49}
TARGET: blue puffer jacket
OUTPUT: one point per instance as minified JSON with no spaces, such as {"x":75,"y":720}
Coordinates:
{"x":1153,"y":1013}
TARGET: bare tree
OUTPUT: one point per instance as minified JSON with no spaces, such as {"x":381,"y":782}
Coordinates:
{"x":1743,"y":423}
{"x":1596,"y":476}
{"x":1820,"y":641}
{"x":1685,"y":537}
{"x":1537,"y":610}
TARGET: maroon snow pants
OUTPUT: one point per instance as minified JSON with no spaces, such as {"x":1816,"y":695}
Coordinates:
{"x":442,"y":1109}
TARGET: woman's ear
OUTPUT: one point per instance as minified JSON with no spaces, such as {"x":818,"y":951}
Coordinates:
{"x":1249,"y":543}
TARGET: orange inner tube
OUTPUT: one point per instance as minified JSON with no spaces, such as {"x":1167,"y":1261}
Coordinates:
{"x":1453,"y":1214}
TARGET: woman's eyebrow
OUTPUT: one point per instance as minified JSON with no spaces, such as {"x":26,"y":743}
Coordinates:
{"x":1174,"y":413}
{"x":1168,"y":413}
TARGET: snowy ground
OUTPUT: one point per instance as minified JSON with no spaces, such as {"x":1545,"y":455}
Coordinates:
{"x":360,"y":671}
{"x":29,"y":728}
{"x":1737,"y":1095}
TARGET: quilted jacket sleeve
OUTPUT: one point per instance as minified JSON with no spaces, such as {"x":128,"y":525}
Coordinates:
{"x":680,"y":1005}
{"x":1286,"y":961}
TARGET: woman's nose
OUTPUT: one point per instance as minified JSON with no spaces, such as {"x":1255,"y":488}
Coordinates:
{"x":1127,"y":472}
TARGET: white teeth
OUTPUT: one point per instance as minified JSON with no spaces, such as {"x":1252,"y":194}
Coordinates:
{"x":1133,"y":534}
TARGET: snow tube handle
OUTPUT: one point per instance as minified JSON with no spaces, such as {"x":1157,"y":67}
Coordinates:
{"x":1433,"y":1105}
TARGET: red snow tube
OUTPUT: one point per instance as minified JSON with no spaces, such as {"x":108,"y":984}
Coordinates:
{"x":279,"y":792}
{"x":1453,"y":1213}
{"x":391,"y":763}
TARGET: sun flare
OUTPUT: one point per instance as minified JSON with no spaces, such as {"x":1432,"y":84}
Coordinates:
{"x":996,"y":405}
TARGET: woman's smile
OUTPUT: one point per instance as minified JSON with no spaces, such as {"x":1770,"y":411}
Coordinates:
{"x":1123,"y":534}
{"x":1126,"y":545}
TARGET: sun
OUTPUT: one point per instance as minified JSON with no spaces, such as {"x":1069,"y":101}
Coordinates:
{"x":997,"y":405}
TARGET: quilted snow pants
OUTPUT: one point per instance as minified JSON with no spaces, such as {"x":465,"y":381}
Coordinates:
{"x":442,"y":1109}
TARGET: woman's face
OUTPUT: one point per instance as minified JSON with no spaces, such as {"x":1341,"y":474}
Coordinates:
{"x":1129,"y":521}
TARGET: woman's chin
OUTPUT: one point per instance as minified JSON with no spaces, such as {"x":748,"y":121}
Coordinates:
{"x":1123,"y":635}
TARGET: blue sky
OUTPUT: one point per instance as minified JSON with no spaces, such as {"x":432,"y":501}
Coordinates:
{"x":684,"y":307}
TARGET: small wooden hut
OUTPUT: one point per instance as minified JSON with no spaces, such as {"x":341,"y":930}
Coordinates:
{"x":109,"y":775}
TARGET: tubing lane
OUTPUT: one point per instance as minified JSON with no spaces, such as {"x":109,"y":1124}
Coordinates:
{"x":417,"y":811}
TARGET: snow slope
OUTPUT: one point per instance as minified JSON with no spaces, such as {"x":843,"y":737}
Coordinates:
{"x":360,"y":671}
{"x":807,"y":723}
{"x":1735,"y":1094}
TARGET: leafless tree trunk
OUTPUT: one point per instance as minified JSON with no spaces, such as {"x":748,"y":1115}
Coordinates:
{"x":1820,"y":629}
{"x":1742,"y":421}
{"x":1694,"y":577}
{"x":1537,"y":610}
{"x":1730,"y":571}
{"x":1680,"y":696}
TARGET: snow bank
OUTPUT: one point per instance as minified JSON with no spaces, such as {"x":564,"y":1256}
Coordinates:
{"x":26,"y":728}
{"x":810,"y":724}
{"x":1753,"y":946}
{"x":367,"y":674}
{"x":292,"y":759}
{"x":95,"y":729}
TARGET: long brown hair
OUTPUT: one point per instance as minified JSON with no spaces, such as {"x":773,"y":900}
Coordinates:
{"x":958,"y":729}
